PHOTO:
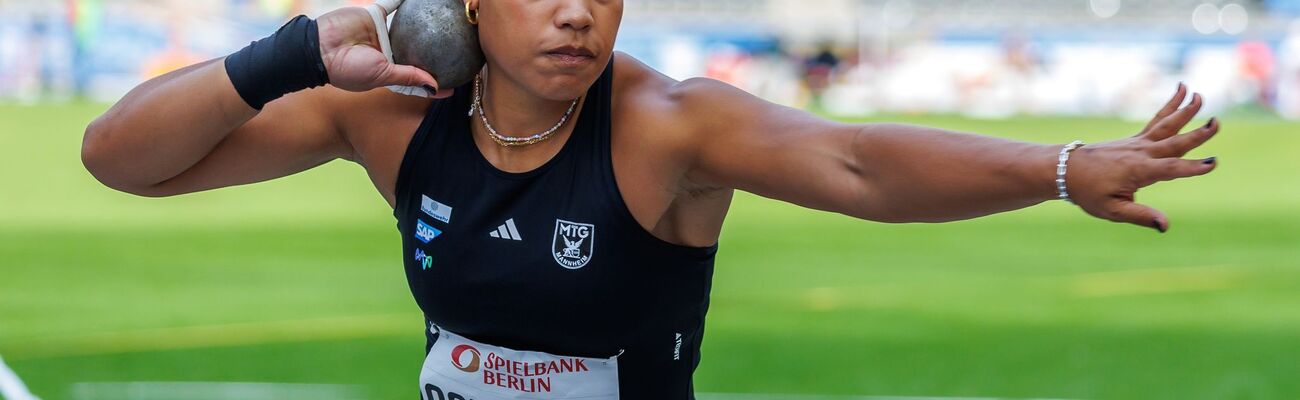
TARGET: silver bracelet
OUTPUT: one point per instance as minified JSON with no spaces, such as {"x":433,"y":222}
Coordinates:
{"x":1060,"y":169}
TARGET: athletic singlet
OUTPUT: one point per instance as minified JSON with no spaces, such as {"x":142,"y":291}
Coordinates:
{"x":548,"y":260}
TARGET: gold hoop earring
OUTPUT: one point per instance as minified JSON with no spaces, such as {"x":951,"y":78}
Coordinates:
{"x":471,"y":15}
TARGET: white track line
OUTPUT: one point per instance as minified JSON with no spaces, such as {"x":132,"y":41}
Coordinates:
{"x":765,"y":396}
{"x":204,"y":336}
{"x":294,"y":391}
{"x":12,"y":388}
{"x":213,"y":391}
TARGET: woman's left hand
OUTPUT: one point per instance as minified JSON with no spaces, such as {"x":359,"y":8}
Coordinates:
{"x":1104,"y":178}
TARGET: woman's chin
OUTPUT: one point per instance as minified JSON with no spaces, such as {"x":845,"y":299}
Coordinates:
{"x":563,"y":89}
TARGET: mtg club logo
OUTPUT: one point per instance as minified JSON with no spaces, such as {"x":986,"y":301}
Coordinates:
{"x":465,"y":358}
{"x":572,"y":244}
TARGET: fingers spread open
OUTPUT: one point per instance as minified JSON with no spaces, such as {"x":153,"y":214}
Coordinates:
{"x":1170,"y":107}
{"x":1138,"y":214}
{"x":1173,"y":123}
{"x":1168,"y":169}
{"x":1179,"y":145}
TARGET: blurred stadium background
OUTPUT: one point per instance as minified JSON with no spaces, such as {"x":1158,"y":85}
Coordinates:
{"x":983,"y":58}
{"x":292,"y":289}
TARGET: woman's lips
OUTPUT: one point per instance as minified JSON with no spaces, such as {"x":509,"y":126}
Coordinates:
{"x":569,"y":60}
{"x":571,"y":56}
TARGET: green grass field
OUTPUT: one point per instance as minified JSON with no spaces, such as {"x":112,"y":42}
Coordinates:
{"x":299,"y":280}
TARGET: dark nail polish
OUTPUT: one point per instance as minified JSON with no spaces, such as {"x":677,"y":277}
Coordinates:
{"x":432,"y":90}
{"x":1156,"y":224}
{"x":1210,"y":160}
{"x":1210,"y":122}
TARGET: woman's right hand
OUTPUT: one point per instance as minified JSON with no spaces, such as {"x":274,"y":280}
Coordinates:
{"x":349,"y":47}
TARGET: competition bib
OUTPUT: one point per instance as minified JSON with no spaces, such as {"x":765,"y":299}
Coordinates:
{"x":461,"y":369}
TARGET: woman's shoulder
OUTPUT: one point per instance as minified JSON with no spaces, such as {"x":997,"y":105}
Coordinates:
{"x":635,"y":79}
{"x":643,"y":93}
{"x":376,"y":123}
{"x":642,"y":85}
{"x":646,"y":97}
{"x":353,"y":111}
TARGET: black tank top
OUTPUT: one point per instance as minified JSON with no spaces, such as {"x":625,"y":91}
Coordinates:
{"x":551,"y":259}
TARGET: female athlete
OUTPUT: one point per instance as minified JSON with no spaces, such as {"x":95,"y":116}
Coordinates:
{"x":559,"y":216}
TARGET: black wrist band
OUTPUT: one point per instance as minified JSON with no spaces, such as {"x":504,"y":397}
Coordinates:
{"x":285,"y":62}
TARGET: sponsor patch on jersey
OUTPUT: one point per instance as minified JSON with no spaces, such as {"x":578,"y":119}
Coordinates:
{"x":438,"y":211}
{"x":460,"y":368}
{"x":424,"y":232}
{"x":425,"y":261}
{"x":572,"y":243}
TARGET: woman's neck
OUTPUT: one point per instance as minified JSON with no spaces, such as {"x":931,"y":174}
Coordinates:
{"x":514,"y":111}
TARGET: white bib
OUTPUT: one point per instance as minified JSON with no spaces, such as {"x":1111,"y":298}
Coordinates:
{"x":461,"y":369}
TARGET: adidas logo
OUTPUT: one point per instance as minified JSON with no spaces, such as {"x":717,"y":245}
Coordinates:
{"x":506,"y":231}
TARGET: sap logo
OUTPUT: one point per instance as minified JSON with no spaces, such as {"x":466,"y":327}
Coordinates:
{"x":424,"y":232}
{"x":571,"y":245}
{"x":425,"y":260}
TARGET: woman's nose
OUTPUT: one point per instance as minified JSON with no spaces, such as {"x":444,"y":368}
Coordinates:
{"x":573,"y":14}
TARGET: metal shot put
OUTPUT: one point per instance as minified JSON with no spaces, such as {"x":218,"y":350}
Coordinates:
{"x":438,"y":37}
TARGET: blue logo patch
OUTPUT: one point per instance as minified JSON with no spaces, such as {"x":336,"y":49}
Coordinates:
{"x":425,"y":260}
{"x":424,"y":232}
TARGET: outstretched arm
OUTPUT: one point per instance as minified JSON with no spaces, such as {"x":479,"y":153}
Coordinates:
{"x":901,"y":173}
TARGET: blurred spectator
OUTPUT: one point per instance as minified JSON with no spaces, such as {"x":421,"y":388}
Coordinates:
{"x":1257,"y":71}
{"x":818,"y":71}
{"x":1288,"y":82}
{"x":987,"y":59}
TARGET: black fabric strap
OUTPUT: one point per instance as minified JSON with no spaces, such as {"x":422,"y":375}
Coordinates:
{"x":285,"y":62}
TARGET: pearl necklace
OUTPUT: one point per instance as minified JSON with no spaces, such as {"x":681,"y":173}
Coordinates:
{"x":511,"y":141}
